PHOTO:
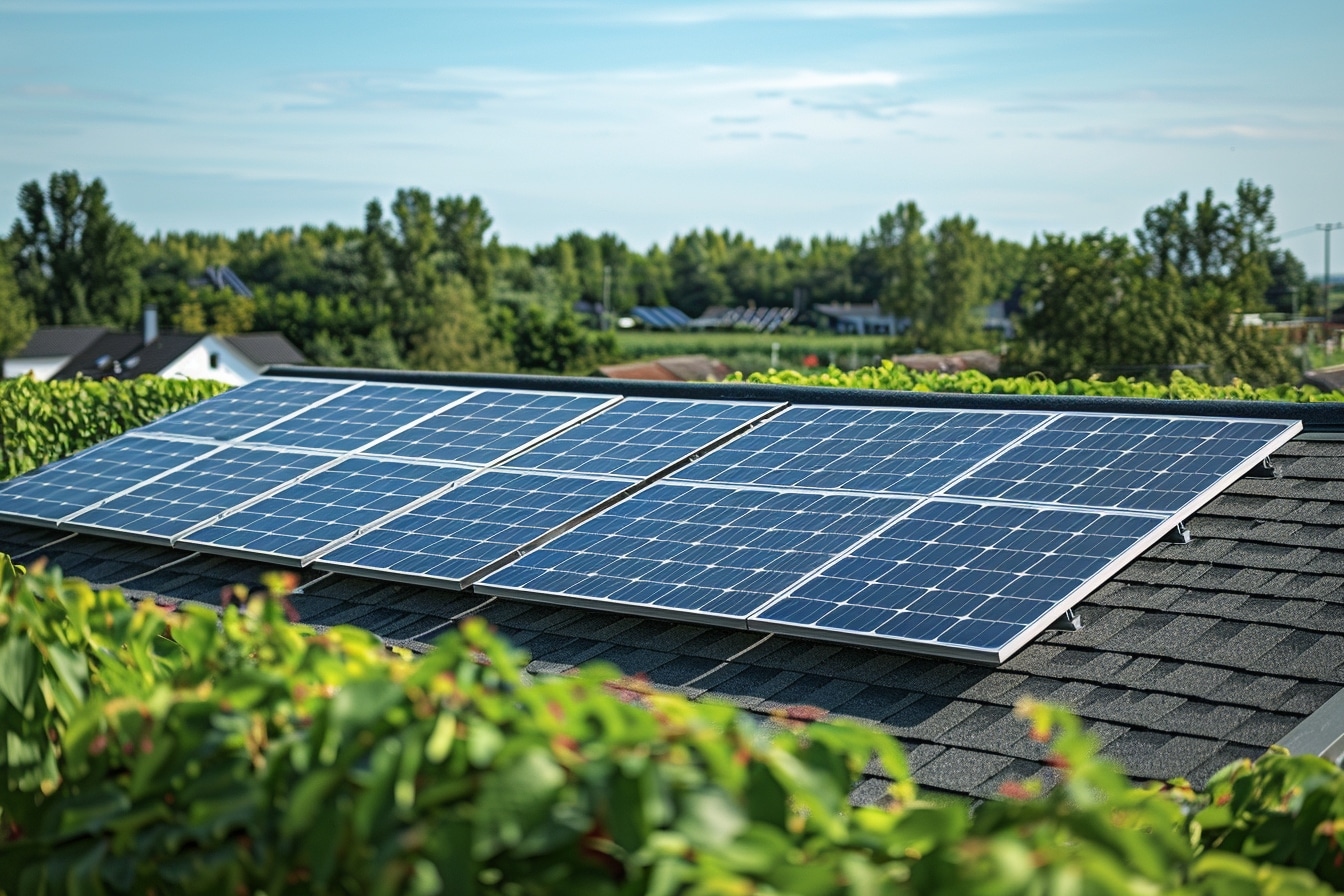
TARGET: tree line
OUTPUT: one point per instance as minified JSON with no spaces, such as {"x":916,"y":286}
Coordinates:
{"x":424,"y":283}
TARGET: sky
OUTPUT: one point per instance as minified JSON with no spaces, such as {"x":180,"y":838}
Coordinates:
{"x":646,"y":119}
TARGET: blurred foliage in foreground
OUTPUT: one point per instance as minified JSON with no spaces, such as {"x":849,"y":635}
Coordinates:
{"x":156,"y":749}
{"x":894,"y":376}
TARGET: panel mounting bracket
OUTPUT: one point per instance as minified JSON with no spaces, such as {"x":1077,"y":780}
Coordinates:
{"x":1069,"y":622}
{"x":1180,"y":534}
{"x":1264,"y":470}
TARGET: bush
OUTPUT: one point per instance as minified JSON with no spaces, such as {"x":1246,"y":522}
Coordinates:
{"x":895,"y":376}
{"x":164,"y":750}
{"x":41,"y":422}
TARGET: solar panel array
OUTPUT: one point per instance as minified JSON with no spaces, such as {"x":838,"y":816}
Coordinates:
{"x":958,"y":533}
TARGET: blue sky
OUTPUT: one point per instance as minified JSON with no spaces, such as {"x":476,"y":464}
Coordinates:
{"x":787,"y":117}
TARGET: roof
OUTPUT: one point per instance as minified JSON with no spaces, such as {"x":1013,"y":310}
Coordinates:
{"x":121,"y":348}
{"x":679,"y":368}
{"x":60,"y":342}
{"x":1193,"y":656}
{"x":852,"y":311}
{"x":975,"y":359}
{"x":263,"y":349}
{"x":1329,"y":379}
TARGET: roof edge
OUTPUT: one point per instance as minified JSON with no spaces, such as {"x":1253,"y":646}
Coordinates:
{"x":1321,"y":733}
{"x":1315,"y":416}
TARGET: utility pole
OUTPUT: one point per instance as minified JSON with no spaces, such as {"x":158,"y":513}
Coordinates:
{"x":606,"y":292}
{"x":1325,"y":293}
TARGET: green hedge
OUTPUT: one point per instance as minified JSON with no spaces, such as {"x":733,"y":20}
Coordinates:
{"x":155,"y":750}
{"x":895,"y":376}
{"x":40,"y":422}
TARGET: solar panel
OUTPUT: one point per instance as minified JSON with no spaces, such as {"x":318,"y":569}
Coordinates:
{"x":203,"y":489}
{"x":490,"y":425}
{"x":238,"y":412}
{"x":639,"y":437}
{"x":957,"y":533}
{"x":452,"y":538}
{"x":887,"y":450}
{"x":692,"y":551}
{"x":335,"y":503}
{"x":353,"y":419}
{"x":1124,"y":462}
{"x":961,"y":579}
{"x":59,"y":489}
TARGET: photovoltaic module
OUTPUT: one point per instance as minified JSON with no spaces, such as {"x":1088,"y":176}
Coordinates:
{"x":960,"y":533}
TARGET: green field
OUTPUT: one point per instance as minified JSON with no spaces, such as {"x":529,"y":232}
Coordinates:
{"x":751,"y":352}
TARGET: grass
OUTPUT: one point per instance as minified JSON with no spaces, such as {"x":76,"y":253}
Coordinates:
{"x":750,"y":352}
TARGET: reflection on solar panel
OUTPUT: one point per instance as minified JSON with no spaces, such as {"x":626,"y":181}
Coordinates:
{"x":639,"y":437}
{"x":1126,"y":463}
{"x":861,"y":449}
{"x":490,"y":425}
{"x":356,"y":418}
{"x":962,"y":579}
{"x":335,"y":503}
{"x":695,"y":551}
{"x":454,"y":537}
{"x":67,"y":486}
{"x":200,"y":491}
{"x":237,"y":412}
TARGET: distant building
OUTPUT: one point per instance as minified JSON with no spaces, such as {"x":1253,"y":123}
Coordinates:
{"x":681,"y":368}
{"x":975,"y":359}
{"x":59,"y":353}
{"x":862,"y":320}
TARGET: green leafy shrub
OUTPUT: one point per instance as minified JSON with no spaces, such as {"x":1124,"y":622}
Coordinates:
{"x":164,"y":750}
{"x":40,"y":422}
{"x":895,"y":376}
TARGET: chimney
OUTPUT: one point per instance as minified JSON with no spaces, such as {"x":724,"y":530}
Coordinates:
{"x":151,"y":323}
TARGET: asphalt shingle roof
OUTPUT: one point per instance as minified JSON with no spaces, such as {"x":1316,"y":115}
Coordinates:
{"x":1191,"y":657}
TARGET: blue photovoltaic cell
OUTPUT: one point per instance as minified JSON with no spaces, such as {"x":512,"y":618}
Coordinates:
{"x":473,"y":526}
{"x":488,"y":426}
{"x":332,"y":504}
{"x":861,"y":449}
{"x":963,"y":575}
{"x":1125,"y":463}
{"x":697,"y":549}
{"x":237,"y":412}
{"x":66,"y":486}
{"x":199,"y":491}
{"x":355,"y":418}
{"x":638,"y":437}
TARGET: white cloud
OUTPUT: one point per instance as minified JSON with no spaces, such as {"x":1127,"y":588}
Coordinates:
{"x":819,"y":10}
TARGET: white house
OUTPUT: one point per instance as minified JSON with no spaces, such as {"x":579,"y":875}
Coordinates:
{"x":97,"y":352}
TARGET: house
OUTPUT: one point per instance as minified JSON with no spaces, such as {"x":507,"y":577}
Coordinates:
{"x":861,"y":320}
{"x":975,"y":359}
{"x":679,"y":368}
{"x":97,"y":352}
{"x":1192,"y":656}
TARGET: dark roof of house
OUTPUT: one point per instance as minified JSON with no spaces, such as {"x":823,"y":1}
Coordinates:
{"x":263,"y":349}
{"x":60,"y":342}
{"x":127,"y":355}
{"x":1193,"y":656}
{"x":848,"y":310}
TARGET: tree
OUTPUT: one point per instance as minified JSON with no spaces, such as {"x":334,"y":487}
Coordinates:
{"x":451,"y":332}
{"x":958,"y":280}
{"x":75,"y":262}
{"x":894,"y":263}
{"x":16,"y":316}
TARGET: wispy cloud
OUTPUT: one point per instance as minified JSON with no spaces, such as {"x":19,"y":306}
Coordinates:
{"x":820,"y":10}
